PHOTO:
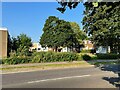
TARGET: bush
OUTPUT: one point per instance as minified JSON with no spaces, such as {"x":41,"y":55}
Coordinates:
{"x":39,"y":57}
{"x":86,"y":57}
{"x":108,"y":56}
{"x":16,"y":60}
{"x":85,"y":51}
{"x":53,"y":57}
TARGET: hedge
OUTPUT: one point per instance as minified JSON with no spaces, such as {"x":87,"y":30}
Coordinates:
{"x":86,"y":57}
{"x":16,"y":60}
{"x":53,"y":57}
{"x":108,"y":56}
{"x":39,"y":57}
{"x":85,"y":51}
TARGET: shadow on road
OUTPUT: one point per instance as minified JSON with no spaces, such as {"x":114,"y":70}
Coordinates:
{"x":112,"y":80}
{"x":113,"y":67}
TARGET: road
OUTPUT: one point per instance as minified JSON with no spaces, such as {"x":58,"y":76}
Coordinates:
{"x":89,"y":77}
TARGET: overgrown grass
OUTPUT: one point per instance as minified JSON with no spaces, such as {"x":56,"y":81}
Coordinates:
{"x":44,"y":66}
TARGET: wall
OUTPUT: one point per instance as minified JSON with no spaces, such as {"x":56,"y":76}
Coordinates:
{"x":3,"y":43}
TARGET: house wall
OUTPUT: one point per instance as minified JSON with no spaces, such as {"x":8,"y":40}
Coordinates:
{"x":88,"y":45}
{"x":64,"y":49}
{"x":38,"y":47}
{"x":3,"y":42}
{"x":102,"y":49}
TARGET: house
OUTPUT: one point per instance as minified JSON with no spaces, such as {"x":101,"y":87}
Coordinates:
{"x":37,"y":47}
{"x":3,"y":42}
{"x":66,"y":49}
{"x":102,"y":49}
{"x":88,"y":45}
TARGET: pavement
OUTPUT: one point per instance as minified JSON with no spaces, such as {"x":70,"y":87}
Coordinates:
{"x":88,"y":77}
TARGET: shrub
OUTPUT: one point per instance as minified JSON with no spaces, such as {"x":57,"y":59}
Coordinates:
{"x":86,"y":57}
{"x":53,"y":57}
{"x":85,"y":51}
{"x":23,"y":51}
{"x":39,"y":57}
{"x":94,"y":57}
{"x":107,"y":56}
{"x":16,"y":60}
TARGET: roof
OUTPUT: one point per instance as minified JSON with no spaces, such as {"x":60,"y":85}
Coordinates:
{"x":3,"y":29}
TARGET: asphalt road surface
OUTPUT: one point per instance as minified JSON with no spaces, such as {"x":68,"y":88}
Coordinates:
{"x":89,"y":77}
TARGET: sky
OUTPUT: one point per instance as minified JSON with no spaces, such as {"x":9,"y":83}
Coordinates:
{"x":29,"y":17}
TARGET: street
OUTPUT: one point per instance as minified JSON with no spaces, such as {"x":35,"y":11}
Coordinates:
{"x":89,"y":77}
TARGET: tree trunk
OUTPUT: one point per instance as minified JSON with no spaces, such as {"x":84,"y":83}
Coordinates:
{"x":107,"y":48}
{"x":56,"y":49}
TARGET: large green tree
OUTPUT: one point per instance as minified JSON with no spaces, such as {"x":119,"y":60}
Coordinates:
{"x":80,"y":35}
{"x":101,"y":21}
{"x":57,"y":33}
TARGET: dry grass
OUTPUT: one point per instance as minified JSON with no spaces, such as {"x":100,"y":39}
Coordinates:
{"x":43,"y":66}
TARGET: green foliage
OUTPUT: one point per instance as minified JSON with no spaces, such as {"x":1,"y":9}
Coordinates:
{"x":85,"y":51}
{"x":57,"y":33}
{"x":79,"y":35}
{"x":53,"y":57}
{"x":88,"y":51}
{"x":70,"y":4}
{"x":22,"y":51}
{"x":21,"y":41}
{"x":20,"y":45}
{"x":9,"y":45}
{"x":13,"y":54}
{"x":108,"y":56}
{"x":16,"y":60}
{"x":101,"y":21}
{"x":41,"y":57}
{"x":24,"y":40}
{"x":86,"y":57}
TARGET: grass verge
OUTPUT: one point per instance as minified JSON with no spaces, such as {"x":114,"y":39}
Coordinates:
{"x":42,"y":66}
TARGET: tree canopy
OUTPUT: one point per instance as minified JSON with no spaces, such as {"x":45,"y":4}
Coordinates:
{"x":101,"y":21}
{"x":21,"y":44}
{"x":79,"y":35}
{"x":57,"y":33}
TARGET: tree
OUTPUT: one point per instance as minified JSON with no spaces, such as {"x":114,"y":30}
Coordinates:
{"x":57,"y":33}
{"x":24,"y":40}
{"x":15,"y":44}
{"x":101,"y":21}
{"x":103,"y":24}
{"x":79,"y":35}
{"x":69,"y":4}
{"x":21,"y":44}
{"x":9,"y":45}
